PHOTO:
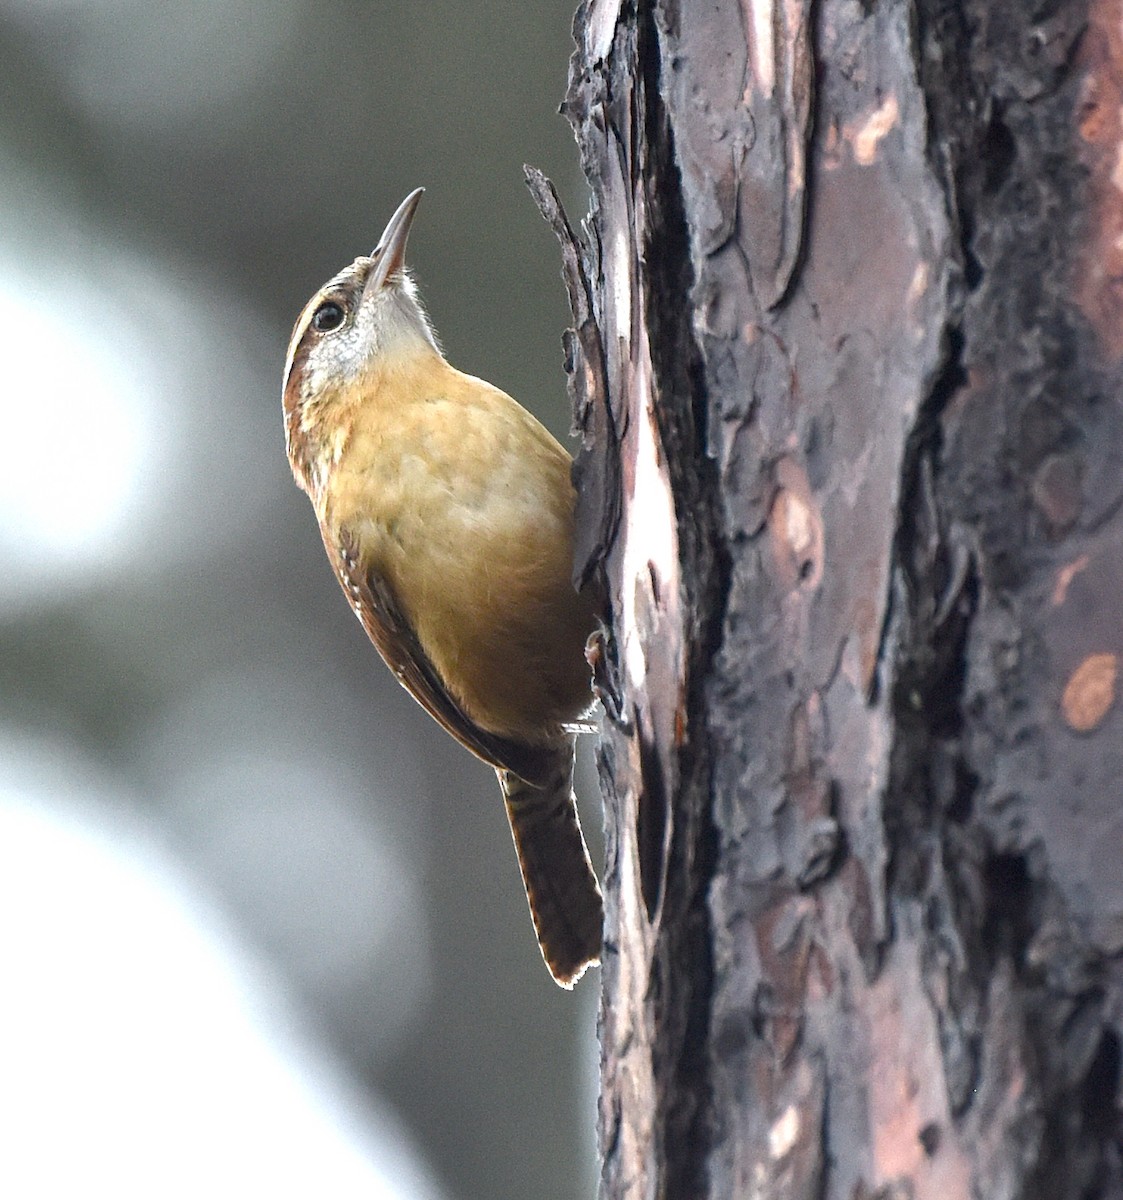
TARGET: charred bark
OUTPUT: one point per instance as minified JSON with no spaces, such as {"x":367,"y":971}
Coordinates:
{"x":847,"y":367}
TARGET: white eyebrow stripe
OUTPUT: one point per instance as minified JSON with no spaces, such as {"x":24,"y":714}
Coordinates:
{"x":298,"y":332}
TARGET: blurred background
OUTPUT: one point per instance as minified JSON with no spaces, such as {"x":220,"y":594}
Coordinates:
{"x":261,"y":925}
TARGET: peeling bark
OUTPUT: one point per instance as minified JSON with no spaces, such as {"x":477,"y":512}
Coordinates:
{"x":847,"y":369}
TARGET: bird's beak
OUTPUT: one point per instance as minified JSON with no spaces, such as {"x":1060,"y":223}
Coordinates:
{"x":390,"y":253}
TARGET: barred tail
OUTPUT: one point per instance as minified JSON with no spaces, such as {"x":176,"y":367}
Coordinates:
{"x":561,"y":886}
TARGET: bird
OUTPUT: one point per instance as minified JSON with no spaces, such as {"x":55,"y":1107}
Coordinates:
{"x":447,"y":513}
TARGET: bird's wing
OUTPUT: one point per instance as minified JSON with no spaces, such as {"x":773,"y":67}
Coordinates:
{"x":387,"y":627}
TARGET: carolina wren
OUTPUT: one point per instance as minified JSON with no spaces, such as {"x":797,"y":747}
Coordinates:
{"x":446,"y":511}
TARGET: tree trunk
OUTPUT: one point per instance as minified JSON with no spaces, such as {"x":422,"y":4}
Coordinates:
{"x":847,"y":369}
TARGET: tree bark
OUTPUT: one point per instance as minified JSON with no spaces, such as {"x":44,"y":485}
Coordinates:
{"x":847,"y":370}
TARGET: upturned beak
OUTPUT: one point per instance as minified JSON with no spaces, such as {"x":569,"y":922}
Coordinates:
{"x":390,"y":253}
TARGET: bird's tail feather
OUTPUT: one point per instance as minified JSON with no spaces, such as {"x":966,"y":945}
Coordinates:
{"x":561,"y":886}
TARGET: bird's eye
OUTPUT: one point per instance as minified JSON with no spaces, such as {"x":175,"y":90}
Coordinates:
{"x":327,"y":317}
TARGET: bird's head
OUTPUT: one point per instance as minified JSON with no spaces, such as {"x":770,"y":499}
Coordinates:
{"x":366,"y":319}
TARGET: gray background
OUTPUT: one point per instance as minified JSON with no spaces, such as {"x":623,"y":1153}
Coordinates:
{"x":175,"y":182}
